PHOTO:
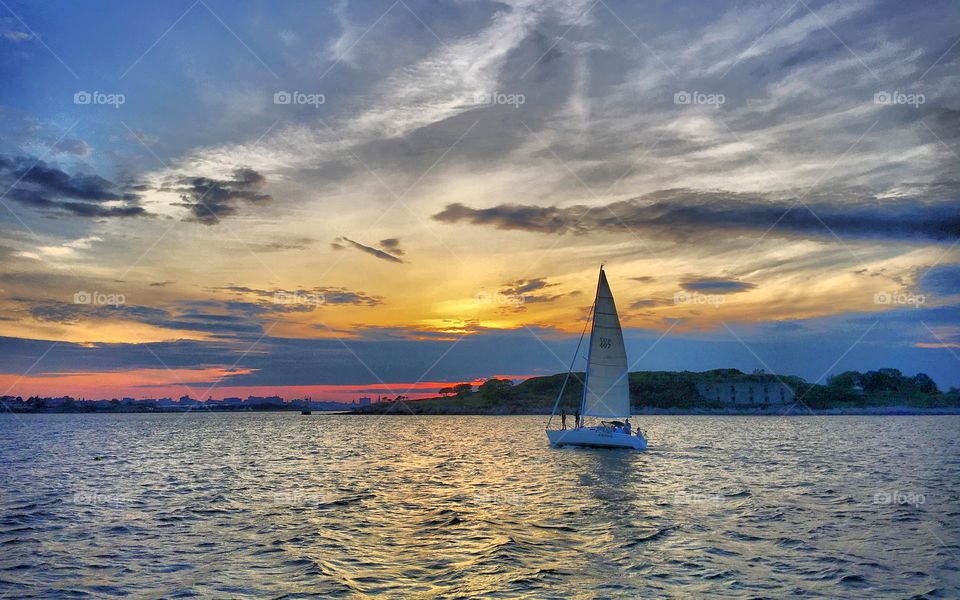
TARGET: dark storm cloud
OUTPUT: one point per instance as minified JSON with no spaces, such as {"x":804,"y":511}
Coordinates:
{"x":341,"y":243}
{"x":210,"y":200}
{"x":716,"y":286}
{"x":684,"y":214}
{"x":34,"y":183}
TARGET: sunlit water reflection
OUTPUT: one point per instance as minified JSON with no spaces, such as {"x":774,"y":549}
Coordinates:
{"x":262,"y":505}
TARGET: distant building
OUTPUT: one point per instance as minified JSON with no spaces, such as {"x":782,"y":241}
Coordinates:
{"x":746,"y":393}
{"x":233,"y":401}
{"x":365,"y":402}
{"x":277,"y":400}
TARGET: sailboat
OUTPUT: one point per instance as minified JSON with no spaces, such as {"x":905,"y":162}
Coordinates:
{"x":606,"y":390}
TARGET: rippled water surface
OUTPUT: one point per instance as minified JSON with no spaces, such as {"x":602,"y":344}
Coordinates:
{"x":270,"y":505}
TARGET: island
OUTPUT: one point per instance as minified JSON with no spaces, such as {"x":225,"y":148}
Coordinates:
{"x":718,"y":391}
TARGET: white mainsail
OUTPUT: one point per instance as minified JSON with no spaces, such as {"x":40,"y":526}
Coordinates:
{"x":607,"y":390}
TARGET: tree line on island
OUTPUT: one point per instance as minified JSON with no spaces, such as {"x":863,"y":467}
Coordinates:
{"x":682,"y":391}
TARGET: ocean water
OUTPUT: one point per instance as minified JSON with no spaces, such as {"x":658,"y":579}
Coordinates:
{"x":267,"y":505}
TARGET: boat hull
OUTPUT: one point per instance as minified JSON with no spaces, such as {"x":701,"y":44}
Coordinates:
{"x":595,"y":437}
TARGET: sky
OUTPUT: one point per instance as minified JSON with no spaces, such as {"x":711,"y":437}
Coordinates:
{"x":360,"y":198}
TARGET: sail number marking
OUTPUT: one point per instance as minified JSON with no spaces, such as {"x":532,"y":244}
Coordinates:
{"x":605,"y":343}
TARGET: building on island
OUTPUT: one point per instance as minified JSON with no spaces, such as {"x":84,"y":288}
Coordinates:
{"x":746,"y":393}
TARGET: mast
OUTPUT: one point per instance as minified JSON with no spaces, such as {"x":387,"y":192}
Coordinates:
{"x":593,"y":322}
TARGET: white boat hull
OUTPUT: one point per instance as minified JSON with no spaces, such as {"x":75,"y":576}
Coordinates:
{"x":595,"y":437}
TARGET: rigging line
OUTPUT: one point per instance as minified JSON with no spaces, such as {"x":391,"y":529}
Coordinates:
{"x":572,"y":362}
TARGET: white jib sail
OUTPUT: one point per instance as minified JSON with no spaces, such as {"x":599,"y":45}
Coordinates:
{"x":607,"y":392}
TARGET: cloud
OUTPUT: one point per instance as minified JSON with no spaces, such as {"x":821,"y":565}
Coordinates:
{"x":34,"y":183}
{"x":684,"y":213}
{"x":182,"y":319}
{"x":943,"y":280}
{"x":293,"y":243}
{"x":71,"y":146}
{"x":526,"y":286}
{"x":210,"y":200}
{"x":323,"y":295}
{"x":716,"y":286}
{"x":528,"y":291}
{"x":16,"y":36}
{"x":650,"y":303}
{"x":338,"y":244}
{"x":392,"y":245}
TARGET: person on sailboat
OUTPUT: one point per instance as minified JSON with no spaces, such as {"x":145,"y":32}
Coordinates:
{"x":576,"y":419}
{"x":626,"y":427}
{"x":563,"y":418}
